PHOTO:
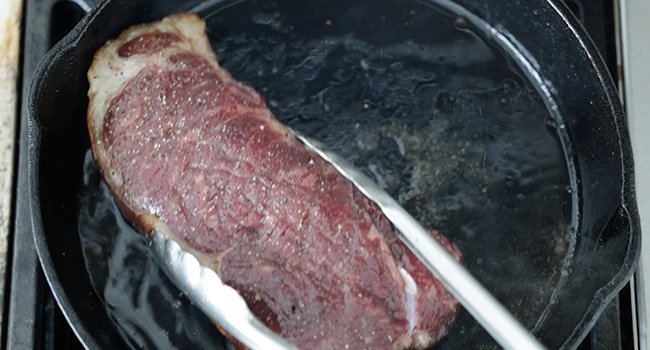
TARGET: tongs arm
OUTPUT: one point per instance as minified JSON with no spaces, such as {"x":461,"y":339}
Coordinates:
{"x":486,"y":309}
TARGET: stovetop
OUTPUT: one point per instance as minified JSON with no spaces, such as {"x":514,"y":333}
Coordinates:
{"x":33,"y":318}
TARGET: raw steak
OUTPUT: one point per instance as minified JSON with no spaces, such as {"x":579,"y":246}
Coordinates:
{"x":188,"y":150}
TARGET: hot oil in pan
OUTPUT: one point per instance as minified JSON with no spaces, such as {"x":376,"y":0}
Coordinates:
{"x":413,"y":96}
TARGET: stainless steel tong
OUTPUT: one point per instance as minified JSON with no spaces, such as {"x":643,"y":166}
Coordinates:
{"x":486,"y":309}
{"x":220,"y":302}
{"x":227,"y":308}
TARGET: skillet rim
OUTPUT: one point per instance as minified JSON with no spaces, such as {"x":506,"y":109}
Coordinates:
{"x":52,"y":58}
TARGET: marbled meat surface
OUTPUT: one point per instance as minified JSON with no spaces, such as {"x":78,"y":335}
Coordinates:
{"x":188,"y":150}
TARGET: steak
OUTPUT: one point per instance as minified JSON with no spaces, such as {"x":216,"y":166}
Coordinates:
{"x":189,"y":151}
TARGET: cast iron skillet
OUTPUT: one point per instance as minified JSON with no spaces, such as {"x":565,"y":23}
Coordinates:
{"x":541,"y":36}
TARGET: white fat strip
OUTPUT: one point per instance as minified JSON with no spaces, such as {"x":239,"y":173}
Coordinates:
{"x":411,"y":291}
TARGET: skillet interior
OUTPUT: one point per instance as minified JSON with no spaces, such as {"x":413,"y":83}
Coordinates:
{"x":605,"y":220}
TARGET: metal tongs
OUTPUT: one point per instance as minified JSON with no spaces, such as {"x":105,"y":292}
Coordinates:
{"x":220,"y":302}
{"x":227,"y":308}
{"x":484,"y":307}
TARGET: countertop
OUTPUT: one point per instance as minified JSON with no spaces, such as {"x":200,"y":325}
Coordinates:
{"x":10,"y":21}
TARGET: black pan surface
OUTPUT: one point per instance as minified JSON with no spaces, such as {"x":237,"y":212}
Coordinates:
{"x":495,"y":123}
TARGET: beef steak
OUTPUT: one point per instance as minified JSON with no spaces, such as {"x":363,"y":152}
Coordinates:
{"x":187,"y":150}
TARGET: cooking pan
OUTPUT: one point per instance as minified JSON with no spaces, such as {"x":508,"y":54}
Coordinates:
{"x":522,"y":155}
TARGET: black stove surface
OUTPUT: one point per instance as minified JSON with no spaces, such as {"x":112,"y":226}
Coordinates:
{"x":34,"y":319}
